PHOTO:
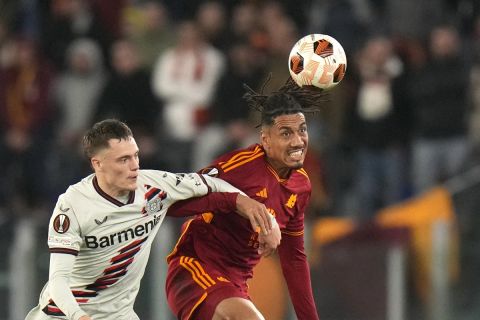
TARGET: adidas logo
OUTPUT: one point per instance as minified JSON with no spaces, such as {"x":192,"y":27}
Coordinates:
{"x":262,"y":193}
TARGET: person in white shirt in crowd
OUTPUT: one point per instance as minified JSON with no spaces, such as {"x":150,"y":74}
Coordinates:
{"x":185,"y":79}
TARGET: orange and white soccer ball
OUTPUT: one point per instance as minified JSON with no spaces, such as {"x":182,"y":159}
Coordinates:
{"x":317,"y":60}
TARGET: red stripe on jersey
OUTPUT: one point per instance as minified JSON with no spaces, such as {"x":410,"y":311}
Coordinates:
{"x":151,"y":193}
{"x":133,"y":245}
{"x":77,"y":293}
{"x":113,"y":275}
{"x":117,"y":267}
{"x":125,"y":255}
{"x":64,"y":250}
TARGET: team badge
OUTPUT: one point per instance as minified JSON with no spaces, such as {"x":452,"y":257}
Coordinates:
{"x":291,"y":201}
{"x":154,"y":198}
{"x":61,"y":223}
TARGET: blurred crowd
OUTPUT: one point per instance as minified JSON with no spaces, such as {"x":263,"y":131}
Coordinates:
{"x":406,"y":116}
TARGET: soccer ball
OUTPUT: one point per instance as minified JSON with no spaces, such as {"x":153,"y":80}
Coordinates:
{"x":317,"y":60}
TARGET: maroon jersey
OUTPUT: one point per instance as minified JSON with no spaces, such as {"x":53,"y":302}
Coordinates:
{"x":226,"y":241}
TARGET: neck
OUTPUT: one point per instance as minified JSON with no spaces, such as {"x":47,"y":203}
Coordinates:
{"x":112,"y":191}
{"x":282,"y":171}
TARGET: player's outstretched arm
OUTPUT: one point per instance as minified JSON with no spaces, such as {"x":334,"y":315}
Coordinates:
{"x":225,"y":202}
{"x":248,"y":208}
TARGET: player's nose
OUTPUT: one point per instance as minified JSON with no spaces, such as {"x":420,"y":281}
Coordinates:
{"x":297,"y":140}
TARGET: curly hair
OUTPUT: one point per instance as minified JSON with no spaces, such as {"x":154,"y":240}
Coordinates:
{"x":289,"y":99}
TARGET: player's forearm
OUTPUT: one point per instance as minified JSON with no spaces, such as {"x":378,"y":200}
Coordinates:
{"x":215,"y":201}
{"x":295,"y":267}
{"x":60,"y":292}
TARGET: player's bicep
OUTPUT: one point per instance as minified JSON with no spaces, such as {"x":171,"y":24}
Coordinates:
{"x":182,"y":186}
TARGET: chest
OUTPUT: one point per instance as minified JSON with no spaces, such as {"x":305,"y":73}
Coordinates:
{"x":281,"y":201}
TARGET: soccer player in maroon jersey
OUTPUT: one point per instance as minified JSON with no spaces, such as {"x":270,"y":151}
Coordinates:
{"x":215,"y":254}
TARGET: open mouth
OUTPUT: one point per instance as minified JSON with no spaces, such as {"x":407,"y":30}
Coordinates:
{"x":296,"y":155}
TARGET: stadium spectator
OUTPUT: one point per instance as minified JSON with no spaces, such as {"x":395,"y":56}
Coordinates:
{"x":379,"y":128}
{"x":212,"y":20}
{"x":148,"y":26}
{"x":25,"y":113}
{"x":438,"y":92}
{"x":66,"y":21}
{"x":185,"y":79}
{"x":127,"y":86}
{"x":102,"y":228}
{"x":215,"y":255}
{"x":76,"y":93}
{"x":230,"y":128}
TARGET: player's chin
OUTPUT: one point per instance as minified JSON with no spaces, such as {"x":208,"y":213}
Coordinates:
{"x":296,"y":165}
{"x":132,"y":186}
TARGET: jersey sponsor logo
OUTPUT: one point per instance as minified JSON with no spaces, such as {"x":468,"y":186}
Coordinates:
{"x":99,"y":222}
{"x":291,"y":201}
{"x":94,"y":242}
{"x":53,"y":240}
{"x":61,"y":223}
{"x":63,"y":209}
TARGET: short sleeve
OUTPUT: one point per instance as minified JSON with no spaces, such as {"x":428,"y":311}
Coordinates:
{"x":63,"y":229}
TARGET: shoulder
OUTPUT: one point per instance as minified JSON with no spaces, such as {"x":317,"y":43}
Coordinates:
{"x":249,"y":157}
{"x":80,"y":190}
{"x":153,"y":174}
{"x":300,"y":181}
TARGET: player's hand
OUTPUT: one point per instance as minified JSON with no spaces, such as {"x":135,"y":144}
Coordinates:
{"x":256,"y":212}
{"x":84,"y":318}
{"x":269,"y":243}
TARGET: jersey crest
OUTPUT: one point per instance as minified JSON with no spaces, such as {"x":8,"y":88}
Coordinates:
{"x":154,"y":197}
{"x":291,"y":201}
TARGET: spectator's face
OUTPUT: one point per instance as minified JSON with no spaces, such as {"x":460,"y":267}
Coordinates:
{"x":125,"y":58}
{"x":444,"y":42}
{"x":188,"y":36}
{"x":286,"y":142}
{"x":378,"y":51}
{"x":117,"y":167}
{"x":80,"y":63}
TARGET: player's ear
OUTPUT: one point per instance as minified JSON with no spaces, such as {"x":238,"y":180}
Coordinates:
{"x":265,"y":140}
{"x":95,"y":163}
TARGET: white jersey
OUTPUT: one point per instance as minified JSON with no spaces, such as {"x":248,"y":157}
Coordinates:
{"x":112,"y":240}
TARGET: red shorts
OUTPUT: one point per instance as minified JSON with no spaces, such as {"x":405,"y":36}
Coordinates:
{"x":194,"y":289}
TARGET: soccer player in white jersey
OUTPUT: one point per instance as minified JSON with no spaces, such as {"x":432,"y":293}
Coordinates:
{"x":102,"y":227}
